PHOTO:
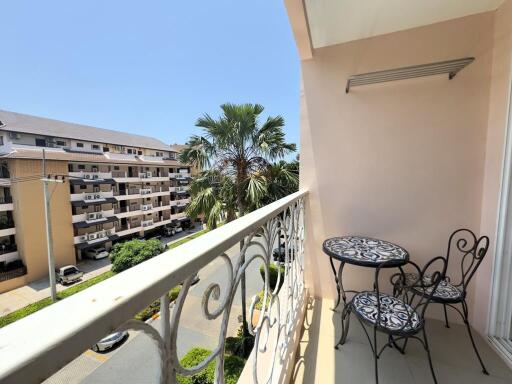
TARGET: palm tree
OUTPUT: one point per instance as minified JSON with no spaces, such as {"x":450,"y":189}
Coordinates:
{"x":235,"y":150}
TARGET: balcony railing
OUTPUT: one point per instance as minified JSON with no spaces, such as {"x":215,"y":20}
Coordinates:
{"x":35,"y":347}
{"x":91,"y":175}
{"x":6,"y":200}
{"x":6,"y":223}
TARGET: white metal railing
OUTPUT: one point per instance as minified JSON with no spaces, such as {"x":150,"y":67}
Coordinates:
{"x":92,"y":216}
{"x":35,"y":347}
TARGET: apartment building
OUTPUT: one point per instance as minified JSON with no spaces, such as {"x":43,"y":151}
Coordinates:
{"x":116,"y":186}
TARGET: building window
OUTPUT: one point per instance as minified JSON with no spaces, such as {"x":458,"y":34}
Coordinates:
{"x":81,"y":166}
{"x":61,"y":143}
{"x":41,"y":142}
{"x":140,"y":153}
{"x":83,"y":186}
{"x":1,"y":140}
{"x":79,"y":145}
{"x":95,"y":146}
{"x":116,"y":167}
{"x":106,"y":149}
{"x":129,"y":151}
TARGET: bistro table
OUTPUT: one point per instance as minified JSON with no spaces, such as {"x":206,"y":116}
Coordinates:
{"x":361,"y":251}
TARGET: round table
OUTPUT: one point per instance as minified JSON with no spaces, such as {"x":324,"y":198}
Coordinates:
{"x":361,"y":251}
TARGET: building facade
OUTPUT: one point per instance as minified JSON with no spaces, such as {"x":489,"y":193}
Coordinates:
{"x":116,"y":186}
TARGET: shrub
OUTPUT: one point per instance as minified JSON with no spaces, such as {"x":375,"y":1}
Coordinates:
{"x":234,"y":345}
{"x":273,"y":271}
{"x":125,"y":255}
{"x":259,"y":304}
{"x":154,"y":307}
{"x":233,"y":367}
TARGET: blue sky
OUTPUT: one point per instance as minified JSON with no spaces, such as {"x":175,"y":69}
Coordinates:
{"x":148,"y":67}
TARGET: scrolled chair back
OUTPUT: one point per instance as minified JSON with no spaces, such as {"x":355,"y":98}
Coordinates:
{"x":472,"y":250}
{"x":410,"y":306}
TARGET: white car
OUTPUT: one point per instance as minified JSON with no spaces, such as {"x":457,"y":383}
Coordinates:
{"x":96,"y":253}
{"x":110,"y":341}
{"x":68,"y":274}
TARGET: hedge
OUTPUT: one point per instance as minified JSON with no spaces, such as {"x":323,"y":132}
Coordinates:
{"x":273,"y":271}
{"x":233,"y":367}
{"x":154,"y":307}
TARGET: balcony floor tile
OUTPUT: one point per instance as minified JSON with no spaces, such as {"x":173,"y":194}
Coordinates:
{"x":454,"y":360}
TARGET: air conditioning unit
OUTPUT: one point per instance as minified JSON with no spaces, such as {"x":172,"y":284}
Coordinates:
{"x":87,"y":176}
{"x":108,"y":232}
{"x":97,"y":196}
{"x":95,"y":177}
{"x":142,"y":175}
{"x":146,"y":207}
{"x":148,"y":174}
{"x":83,"y":238}
{"x":89,"y":197}
{"x":91,"y":236}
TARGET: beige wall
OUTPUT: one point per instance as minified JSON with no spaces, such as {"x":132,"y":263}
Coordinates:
{"x":402,"y":161}
{"x":496,"y":133}
{"x":30,"y":219}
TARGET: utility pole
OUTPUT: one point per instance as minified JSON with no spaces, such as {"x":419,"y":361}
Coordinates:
{"x":49,"y":237}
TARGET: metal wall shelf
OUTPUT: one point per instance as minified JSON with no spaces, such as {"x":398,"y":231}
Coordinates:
{"x":450,"y":67}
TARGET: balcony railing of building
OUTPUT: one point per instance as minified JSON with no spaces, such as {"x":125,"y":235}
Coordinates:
{"x":91,"y":175}
{"x":92,"y":196}
{"x":5,"y":199}
{"x":36,"y":346}
{"x":94,"y":236}
{"x":6,"y":223}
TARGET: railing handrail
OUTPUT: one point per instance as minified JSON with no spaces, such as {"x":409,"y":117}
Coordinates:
{"x":38,"y":345}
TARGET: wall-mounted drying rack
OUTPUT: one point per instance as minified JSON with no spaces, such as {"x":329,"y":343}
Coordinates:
{"x":451,"y":67}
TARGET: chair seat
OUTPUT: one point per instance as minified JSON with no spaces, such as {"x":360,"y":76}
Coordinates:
{"x":394,"y":313}
{"x":445,"y":292}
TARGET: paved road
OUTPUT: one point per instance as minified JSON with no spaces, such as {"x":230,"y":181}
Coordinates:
{"x":137,"y":361}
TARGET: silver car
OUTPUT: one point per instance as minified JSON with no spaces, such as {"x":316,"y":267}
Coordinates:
{"x":110,"y":341}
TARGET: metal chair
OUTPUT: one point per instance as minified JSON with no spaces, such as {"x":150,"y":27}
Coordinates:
{"x":399,"y":316}
{"x":472,"y":251}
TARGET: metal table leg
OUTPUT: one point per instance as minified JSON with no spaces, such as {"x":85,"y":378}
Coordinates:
{"x":339,"y":283}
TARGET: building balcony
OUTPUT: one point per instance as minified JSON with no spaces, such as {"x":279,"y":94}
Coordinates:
{"x":125,"y":177}
{"x":153,"y":191}
{"x":182,"y":202}
{"x":91,"y":198}
{"x":8,"y":253}
{"x":98,"y":310}
{"x":6,"y":203}
{"x":93,"y":218}
{"x":95,"y":238}
{"x":7,"y":227}
{"x":93,"y":178}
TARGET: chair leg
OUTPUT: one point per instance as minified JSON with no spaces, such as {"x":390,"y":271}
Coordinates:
{"x":447,"y":325}
{"x":427,"y":348}
{"x":345,"y":315}
{"x":468,"y":327}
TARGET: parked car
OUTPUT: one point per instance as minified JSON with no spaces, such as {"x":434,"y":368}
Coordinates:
{"x":110,"y":341}
{"x":68,"y":274}
{"x":168,"y":231}
{"x":96,"y":253}
{"x":279,"y":254}
{"x":178,"y":229}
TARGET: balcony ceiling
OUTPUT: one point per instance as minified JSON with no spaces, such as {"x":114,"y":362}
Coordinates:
{"x":338,"y":21}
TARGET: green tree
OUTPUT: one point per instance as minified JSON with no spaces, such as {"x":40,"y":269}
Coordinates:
{"x":237,"y":151}
{"x":126,"y":255}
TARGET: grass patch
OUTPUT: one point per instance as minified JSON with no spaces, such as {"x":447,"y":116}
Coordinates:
{"x":34,"y":307}
{"x":186,"y":239}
